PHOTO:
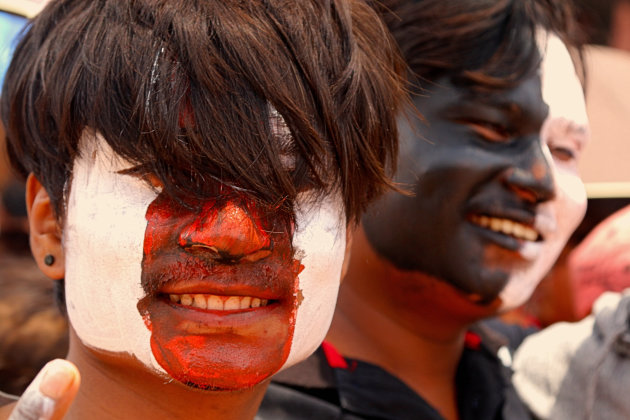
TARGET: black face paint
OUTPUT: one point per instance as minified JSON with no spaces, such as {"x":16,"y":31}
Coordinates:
{"x":478,"y":155}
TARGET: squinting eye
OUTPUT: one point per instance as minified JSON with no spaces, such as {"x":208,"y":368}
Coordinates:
{"x":142,"y":173}
{"x":563,"y":154}
{"x":153,"y":180}
{"x":489,"y":131}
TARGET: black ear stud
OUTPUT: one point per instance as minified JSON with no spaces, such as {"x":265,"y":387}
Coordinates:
{"x":49,"y":260}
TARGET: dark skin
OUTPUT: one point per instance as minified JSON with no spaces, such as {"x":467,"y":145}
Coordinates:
{"x":478,"y":153}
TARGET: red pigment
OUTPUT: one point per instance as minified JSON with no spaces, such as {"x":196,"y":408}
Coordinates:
{"x":214,"y":349}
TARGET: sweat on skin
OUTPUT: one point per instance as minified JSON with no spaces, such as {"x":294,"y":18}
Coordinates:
{"x":107,"y":220}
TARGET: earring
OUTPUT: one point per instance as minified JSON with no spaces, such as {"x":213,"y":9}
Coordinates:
{"x":49,"y":260}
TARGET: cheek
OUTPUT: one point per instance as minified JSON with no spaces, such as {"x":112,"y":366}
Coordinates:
{"x":103,"y":240}
{"x":320,"y":243}
{"x":569,"y":208}
{"x":571,"y":203}
{"x":163,"y":219}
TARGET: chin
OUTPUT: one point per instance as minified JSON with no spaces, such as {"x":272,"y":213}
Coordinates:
{"x":517,"y":292}
{"x":230,"y":369}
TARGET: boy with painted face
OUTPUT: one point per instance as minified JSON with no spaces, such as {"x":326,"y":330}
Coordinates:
{"x":493,"y":168}
{"x":192,"y":168}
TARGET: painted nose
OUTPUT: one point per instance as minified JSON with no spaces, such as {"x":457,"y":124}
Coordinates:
{"x":230,"y":233}
{"x":532,"y":176}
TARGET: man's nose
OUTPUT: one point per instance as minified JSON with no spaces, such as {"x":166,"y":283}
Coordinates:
{"x":531,"y":176}
{"x":229,"y":233}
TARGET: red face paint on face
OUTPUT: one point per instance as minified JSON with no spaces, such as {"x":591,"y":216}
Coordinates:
{"x":231,"y":254}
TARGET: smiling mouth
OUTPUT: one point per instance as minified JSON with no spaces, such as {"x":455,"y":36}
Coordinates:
{"x":218,"y":302}
{"x":507,"y":227}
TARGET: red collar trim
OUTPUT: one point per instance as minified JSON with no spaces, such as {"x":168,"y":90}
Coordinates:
{"x":334,"y":358}
{"x":472,"y":341}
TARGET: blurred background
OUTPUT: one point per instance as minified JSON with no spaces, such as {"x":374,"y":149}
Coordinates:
{"x":588,"y":267}
{"x":32,"y":328}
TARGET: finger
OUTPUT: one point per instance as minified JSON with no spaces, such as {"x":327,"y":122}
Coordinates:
{"x":49,"y":396}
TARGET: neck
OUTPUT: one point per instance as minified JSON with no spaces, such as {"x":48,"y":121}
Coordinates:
{"x":114,"y":387}
{"x":409,"y":323}
{"x":362,"y":331}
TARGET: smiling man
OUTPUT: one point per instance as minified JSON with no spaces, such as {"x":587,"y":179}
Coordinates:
{"x":493,"y":168}
{"x":221,"y":279}
{"x":502,"y":208}
{"x":497,"y":195}
{"x":192,"y":168}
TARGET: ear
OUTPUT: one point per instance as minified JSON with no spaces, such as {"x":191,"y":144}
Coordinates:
{"x":45,"y":232}
{"x":346,"y":257}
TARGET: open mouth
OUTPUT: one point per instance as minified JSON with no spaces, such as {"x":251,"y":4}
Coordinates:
{"x":508,"y":227}
{"x":218,"y":302}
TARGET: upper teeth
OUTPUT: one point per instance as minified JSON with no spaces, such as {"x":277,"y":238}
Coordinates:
{"x":216,"y":302}
{"x":509,"y":227}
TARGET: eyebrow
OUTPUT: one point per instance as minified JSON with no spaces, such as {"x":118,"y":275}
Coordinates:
{"x":564,"y":127}
{"x":579,"y":131}
{"x":578,"y":128}
{"x":475,"y":104}
{"x":570,"y":126}
{"x":279,"y":128}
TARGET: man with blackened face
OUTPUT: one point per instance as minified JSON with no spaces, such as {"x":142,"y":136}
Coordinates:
{"x":192,"y":171}
{"x":496,"y":188}
{"x":490,"y":167}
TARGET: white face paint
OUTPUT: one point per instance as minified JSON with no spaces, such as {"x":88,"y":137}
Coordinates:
{"x":104,"y":235}
{"x":103,"y":241}
{"x":565,"y":132}
{"x":321,"y":239}
{"x":321,"y":236}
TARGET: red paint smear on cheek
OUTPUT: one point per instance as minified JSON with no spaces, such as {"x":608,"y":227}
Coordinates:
{"x":163,"y":217}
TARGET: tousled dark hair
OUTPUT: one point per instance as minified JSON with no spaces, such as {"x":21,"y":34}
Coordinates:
{"x":479,"y":43}
{"x":186,"y":90}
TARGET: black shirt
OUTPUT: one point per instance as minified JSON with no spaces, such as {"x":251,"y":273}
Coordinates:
{"x":329,"y":386}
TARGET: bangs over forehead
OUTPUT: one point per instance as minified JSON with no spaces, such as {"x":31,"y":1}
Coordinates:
{"x":188,"y":91}
{"x":477,"y":43}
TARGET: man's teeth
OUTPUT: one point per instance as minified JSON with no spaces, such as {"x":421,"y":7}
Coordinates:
{"x":506,"y":226}
{"x":218,"y":303}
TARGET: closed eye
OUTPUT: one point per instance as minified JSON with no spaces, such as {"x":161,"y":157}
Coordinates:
{"x":488,"y":131}
{"x":142,"y":172}
{"x":565,"y":139}
{"x":563,"y":154}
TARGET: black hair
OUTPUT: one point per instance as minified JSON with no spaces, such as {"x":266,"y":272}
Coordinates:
{"x":479,"y":43}
{"x":186,"y":91}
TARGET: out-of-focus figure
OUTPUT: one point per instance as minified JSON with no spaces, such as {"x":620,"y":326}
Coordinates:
{"x":601,"y":262}
{"x":579,"y":371}
{"x":604,"y":168}
{"x":32,"y":329}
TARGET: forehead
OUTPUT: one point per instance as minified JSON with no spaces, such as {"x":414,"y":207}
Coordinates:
{"x":561,"y":87}
{"x":520,"y":105}
{"x":281,"y":137}
{"x":523,"y":98}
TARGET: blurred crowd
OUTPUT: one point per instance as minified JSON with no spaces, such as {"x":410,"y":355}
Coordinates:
{"x":32,"y":328}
